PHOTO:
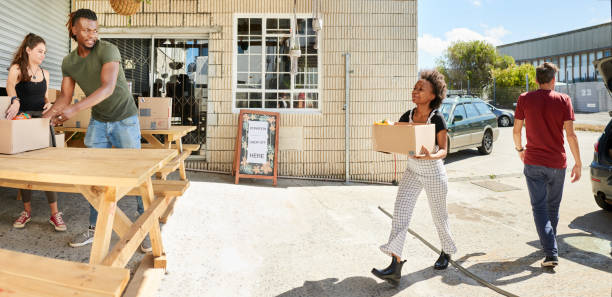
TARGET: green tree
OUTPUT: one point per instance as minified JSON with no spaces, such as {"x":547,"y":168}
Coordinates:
{"x":510,"y":83}
{"x":473,"y":61}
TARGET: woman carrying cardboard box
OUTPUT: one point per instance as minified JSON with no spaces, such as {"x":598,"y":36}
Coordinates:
{"x":27,"y":86}
{"x":424,"y":171}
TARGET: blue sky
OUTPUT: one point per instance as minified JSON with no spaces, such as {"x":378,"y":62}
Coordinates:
{"x":500,"y":21}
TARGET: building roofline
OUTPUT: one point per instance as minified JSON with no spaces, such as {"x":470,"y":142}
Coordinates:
{"x":555,"y":35}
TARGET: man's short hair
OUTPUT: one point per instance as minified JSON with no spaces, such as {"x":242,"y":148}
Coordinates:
{"x":546,"y":72}
{"x":76,"y":15}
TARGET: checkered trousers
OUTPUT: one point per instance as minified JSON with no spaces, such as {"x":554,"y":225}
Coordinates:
{"x":431,"y":175}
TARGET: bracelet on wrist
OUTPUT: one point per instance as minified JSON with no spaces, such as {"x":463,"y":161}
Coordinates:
{"x":522,"y":149}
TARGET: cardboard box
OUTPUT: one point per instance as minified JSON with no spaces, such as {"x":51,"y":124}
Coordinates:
{"x":405,"y":139}
{"x":23,"y":135}
{"x":81,"y":119}
{"x":155,"y":113}
{"x":52,"y":95}
{"x":60,"y":138}
{"x":5,"y":102}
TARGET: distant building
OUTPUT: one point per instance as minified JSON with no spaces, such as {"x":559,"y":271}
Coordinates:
{"x":573,"y":52}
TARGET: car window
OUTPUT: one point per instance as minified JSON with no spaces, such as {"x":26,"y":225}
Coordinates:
{"x":445,"y":110}
{"x":459,"y":110}
{"x":471,"y":110}
{"x":482,"y":108}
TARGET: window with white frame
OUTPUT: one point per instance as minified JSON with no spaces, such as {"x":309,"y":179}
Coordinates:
{"x":262,"y":68}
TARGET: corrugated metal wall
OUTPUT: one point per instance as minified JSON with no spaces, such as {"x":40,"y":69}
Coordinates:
{"x":381,"y":36}
{"x":41,"y":17}
{"x":596,"y":37}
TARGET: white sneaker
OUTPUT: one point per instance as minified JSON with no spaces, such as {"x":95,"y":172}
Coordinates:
{"x":84,"y":238}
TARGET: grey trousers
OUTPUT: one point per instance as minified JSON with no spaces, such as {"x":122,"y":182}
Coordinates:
{"x":26,"y":196}
{"x":431,"y":175}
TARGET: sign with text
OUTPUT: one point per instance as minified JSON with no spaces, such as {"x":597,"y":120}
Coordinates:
{"x":256,"y":148}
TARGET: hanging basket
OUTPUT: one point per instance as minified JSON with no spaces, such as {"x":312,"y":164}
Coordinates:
{"x":126,"y":7}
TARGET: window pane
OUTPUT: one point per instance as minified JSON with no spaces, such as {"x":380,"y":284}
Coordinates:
{"x":284,"y":64}
{"x":242,"y":96}
{"x":309,"y":26}
{"x":272,"y":81}
{"x":576,"y":67}
{"x":255,"y":80}
{"x":242,"y":79}
{"x":592,"y":75}
{"x":284,"y":81}
{"x":583,"y":67}
{"x":562,"y":69}
{"x":272,"y":45}
{"x":301,"y":64}
{"x":299,"y":100}
{"x":482,"y":108}
{"x":255,"y":27}
{"x":284,"y":24}
{"x":242,"y":104}
{"x":243,"y":63}
{"x":310,"y":45}
{"x":255,"y":45}
{"x":459,"y":111}
{"x":271,"y":63}
{"x":301,"y":24}
{"x":312,"y":64}
{"x":569,"y":68}
{"x":272,"y":24}
{"x":255,"y":63}
{"x":243,"y":26}
{"x":243,"y":44}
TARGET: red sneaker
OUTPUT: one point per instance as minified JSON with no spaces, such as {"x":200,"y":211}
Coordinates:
{"x":57,"y":222}
{"x":24,"y":217}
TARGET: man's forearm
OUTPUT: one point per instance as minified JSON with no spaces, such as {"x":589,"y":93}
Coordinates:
{"x":574,"y":148}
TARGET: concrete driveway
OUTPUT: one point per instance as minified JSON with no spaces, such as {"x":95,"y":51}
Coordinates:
{"x":307,"y":238}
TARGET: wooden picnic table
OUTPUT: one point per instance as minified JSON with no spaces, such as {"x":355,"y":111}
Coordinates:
{"x":173,"y":134}
{"x":103,"y":177}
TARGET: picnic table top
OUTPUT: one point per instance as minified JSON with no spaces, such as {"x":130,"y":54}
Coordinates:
{"x":81,"y":166}
{"x":172,"y":130}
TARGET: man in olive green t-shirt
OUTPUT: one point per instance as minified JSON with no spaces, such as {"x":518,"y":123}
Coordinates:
{"x":95,"y":66}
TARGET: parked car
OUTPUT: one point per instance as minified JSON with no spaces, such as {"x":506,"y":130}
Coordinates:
{"x":470,"y":124}
{"x":504,"y":118}
{"x":601,"y":167}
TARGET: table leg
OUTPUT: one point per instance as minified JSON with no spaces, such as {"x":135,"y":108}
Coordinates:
{"x":179,"y":146}
{"x":104,"y":225}
{"x":146,"y":190}
{"x":121,"y":224}
{"x":167,"y":142}
{"x":153,"y":141}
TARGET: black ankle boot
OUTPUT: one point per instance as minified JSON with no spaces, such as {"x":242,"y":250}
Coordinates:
{"x":391,"y":274}
{"x":442,"y":262}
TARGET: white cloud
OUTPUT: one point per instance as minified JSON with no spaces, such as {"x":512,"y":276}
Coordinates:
{"x":435,"y":46}
{"x":476,"y":3}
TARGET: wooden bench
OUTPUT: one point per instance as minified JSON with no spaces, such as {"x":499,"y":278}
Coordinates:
{"x":186,"y":147}
{"x":29,"y":275}
{"x":170,"y":189}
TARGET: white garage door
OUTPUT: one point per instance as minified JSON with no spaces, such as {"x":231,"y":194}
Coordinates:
{"x":42,"y":17}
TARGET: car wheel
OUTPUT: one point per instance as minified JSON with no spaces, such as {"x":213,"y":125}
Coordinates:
{"x":600,"y":198}
{"x":487,"y":143}
{"x":504,"y":121}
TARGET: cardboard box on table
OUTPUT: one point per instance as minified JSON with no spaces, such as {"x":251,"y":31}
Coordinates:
{"x":18,"y":136}
{"x":155,"y":113}
{"x":81,"y":119}
{"x":403,"y":138}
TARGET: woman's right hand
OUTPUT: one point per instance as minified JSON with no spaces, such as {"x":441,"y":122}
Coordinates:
{"x":12,"y":111}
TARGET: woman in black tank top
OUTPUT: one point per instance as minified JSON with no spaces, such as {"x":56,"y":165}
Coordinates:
{"x":27,"y":86}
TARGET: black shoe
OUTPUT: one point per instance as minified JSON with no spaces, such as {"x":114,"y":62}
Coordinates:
{"x":550,"y":261}
{"x":442,"y":262}
{"x":391,"y":274}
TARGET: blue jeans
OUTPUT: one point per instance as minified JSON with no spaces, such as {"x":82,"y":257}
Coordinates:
{"x":545,"y":190}
{"x":120,"y":134}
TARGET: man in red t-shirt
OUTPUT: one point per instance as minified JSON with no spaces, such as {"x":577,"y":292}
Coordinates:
{"x":546,"y":114}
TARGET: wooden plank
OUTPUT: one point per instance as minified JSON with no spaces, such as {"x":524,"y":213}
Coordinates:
{"x":146,"y":280}
{"x":53,"y":277}
{"x":121,"y":223}
{"x":128,"y":244}
{"x":153,"y":141}
{"x":186,"y":147}
{"x":163,"y":188}
{"x":104,"y":226}
{"x":148,"y":198}
{"x":85,"y":166}
{"x":169,"y":210}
